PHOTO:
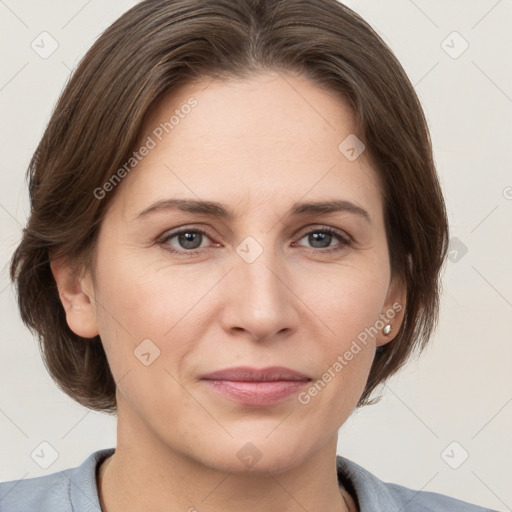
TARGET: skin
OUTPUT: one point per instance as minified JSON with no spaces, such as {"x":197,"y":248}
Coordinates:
{"x":257,"y":145}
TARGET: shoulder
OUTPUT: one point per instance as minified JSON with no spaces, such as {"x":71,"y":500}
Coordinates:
{"x":374,"y":495}
{"x":69,"y":490}
{"x":425,"y":501}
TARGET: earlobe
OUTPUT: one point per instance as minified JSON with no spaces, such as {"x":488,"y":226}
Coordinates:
{"x":393,"y":312}
{"x":76,"y":298}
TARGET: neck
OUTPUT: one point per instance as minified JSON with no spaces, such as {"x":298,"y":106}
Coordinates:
{"x":145,"y":474}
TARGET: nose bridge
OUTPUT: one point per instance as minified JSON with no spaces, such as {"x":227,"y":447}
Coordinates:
{"x":261,"y":302}
{"x":259,"y":271}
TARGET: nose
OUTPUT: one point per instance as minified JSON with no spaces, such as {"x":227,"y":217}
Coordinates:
{"x":259,"y":301}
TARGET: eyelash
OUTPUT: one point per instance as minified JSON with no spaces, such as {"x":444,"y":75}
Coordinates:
{"x":344,"y":239}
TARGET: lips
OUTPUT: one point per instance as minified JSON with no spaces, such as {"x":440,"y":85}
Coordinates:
{"x":256,"y":387}
{"x":248,"y":374}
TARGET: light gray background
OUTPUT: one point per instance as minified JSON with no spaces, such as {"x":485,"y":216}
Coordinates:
{"x":459,"y":390}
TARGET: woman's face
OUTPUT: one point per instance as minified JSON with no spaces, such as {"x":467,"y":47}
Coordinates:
{"x":262,"y":279}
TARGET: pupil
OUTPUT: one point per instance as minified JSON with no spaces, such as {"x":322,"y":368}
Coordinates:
{"x":320,"y":237}
{"x":187,"y":240}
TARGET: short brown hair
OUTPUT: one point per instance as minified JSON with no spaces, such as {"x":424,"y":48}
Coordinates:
{"x":159,"y":45}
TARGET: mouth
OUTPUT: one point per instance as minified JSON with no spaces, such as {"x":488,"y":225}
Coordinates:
{"x":248,"y":374}
{"x":253,"y":386}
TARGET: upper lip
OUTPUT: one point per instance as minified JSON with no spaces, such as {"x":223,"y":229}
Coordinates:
{"x":249,"y":374}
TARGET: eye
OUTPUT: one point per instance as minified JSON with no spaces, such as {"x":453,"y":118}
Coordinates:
{"x":187,"y":241}
{"x":191,"y":241}
{"x":322,"y":238}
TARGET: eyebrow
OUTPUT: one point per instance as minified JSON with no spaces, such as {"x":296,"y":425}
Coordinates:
{"x":215,"y":209}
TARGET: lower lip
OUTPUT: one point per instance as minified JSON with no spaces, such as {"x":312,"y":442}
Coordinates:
{"x":257,"y":393}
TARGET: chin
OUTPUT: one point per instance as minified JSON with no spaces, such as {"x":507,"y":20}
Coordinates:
{"x":243,"y":456}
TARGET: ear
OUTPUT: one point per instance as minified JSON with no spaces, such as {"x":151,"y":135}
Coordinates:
{"x":76,"y":295}
{"x":393,"y":311}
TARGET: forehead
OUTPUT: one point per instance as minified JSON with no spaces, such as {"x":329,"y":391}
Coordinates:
{"x":265,"y":140}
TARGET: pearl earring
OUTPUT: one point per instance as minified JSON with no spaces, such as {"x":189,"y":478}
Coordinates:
{"x":386,"y":330}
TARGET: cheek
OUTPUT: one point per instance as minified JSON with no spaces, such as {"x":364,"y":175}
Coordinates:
{"x":345,"y":305}
{"x":143,"y":324}
{"x":137,"y":302}
{"x":345,"y":313}
{"x":347,"y":300}
{"x":134,"y":294}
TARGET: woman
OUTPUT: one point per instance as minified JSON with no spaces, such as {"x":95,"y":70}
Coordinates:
{"x":236,"y":234}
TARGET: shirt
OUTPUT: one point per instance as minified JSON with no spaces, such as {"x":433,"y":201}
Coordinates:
{"x":75,"y":490}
